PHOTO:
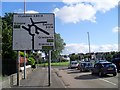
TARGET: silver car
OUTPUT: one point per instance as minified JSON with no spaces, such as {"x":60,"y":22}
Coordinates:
{"x":73,"y":64}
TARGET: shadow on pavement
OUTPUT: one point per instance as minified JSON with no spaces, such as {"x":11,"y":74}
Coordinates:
{"x":86,"y":77}
{"x":36,"y":86}
{"x":89,"y":76}
{"x":63,"y":68}
{"x":73,"y":72}
{"x":107,"y":76}
{"x":31,"y":86}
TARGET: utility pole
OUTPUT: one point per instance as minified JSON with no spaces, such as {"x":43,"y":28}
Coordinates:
{"x":89,"y":42}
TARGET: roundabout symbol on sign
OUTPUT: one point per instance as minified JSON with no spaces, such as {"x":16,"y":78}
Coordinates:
{"x":36,"y":30}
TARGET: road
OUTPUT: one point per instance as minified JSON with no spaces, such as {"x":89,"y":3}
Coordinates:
{"x":73,"y":78}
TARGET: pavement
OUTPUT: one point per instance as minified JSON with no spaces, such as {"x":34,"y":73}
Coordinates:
{"x":39,"y":78}
{"x":0,"y":84}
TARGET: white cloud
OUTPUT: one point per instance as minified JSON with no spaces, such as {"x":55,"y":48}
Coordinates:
{"x":79,"y":10}
{"x":102,"y":5}
{"x":116,"y":29}
{"x":31,"y":11}
{"x":28,"y":11}
{"x":83,"y":48}
{"x":77,"y":13}
{"x":105,"y":5}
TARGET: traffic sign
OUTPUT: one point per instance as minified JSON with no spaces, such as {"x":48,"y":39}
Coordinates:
{"x":33,"y":31}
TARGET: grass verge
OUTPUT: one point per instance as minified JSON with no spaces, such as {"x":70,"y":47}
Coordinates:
{"x":55,"y":64}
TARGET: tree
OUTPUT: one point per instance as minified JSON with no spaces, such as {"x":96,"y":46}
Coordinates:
{"x":59,"y":46}
{"x":7,"y":37}
{"x":8,"y":55}
{"x":81,"y":56}
{"x":0,"y":35}
{"x":74,"y":56}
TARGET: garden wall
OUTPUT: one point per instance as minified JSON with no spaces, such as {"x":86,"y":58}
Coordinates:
{"x":11,"y":80}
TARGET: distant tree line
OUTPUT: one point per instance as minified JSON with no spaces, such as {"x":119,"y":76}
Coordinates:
{"x":102,"y":55}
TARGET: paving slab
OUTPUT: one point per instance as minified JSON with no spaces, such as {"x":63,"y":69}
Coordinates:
{"x":39,"y":78}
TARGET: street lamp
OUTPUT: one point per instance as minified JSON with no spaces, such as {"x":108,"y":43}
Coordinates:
{"x":89,"y":41}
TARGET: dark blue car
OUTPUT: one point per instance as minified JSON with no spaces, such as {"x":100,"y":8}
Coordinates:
{"x":116,"y":61}
{"x":103,"y":68}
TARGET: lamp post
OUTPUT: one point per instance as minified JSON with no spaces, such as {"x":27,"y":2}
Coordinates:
{"x":89,"y":42}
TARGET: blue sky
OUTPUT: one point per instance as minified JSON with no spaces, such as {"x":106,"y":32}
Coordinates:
{"x":74,"y":19}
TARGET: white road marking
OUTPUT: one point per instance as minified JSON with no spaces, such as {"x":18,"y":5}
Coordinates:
{"x":108,"y":82}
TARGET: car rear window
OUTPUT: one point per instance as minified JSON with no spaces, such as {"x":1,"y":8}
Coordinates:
{"x":86,"y":64}
{"x":74,"y":62}
{"x":108,"y":64}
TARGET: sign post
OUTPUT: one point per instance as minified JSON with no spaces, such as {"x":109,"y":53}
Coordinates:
{"x":24,"y":50}
{"x":18,"y":68}
{"x":49,"y":69}
{"x":25,"y":65}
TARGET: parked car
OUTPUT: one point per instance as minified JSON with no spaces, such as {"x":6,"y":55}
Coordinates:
{"x":103,"y":68}
{"x":85,"y":66}
{"x":102,"y":60}
{"x":73,"y":64}
{"x":116,"y":61}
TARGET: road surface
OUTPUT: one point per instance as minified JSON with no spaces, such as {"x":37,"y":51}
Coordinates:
{"x":73,"y":78}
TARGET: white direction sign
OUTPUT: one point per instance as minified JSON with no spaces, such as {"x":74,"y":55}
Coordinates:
{"x":33,"y":31}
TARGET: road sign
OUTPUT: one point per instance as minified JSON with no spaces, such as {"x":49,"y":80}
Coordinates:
{"x":33,"y":31}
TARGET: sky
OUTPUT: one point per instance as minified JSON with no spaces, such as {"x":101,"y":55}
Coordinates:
{"x":74,"y":19}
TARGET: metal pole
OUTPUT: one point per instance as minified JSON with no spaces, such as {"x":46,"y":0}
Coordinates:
{"x":24,"y":6}
{"x":18,"y":68}
{"x":25,"y":50}
{"x":25,"y":65}
{"x":49,"y":69}
{"x":89,"y":41}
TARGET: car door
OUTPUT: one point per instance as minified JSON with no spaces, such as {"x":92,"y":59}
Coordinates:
{"x":96,"y":68}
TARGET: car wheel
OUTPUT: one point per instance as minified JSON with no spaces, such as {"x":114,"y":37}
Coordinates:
{"x":114,"y":74}
{"x":81,"y":70}
{"x":92,"y":73}
{"x":100,"y":74}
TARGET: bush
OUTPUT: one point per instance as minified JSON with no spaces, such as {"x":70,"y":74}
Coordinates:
{"x":64,"y":60}
{"x":22,"y":54}
{"x":31,"y":60}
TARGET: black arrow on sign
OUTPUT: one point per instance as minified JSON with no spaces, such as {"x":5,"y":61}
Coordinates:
{"x":36,"y":30}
